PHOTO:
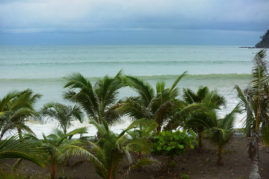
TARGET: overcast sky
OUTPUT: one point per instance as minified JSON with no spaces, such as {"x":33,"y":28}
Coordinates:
{"x":133,"y":21}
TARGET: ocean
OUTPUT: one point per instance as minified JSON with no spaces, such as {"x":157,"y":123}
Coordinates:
{"x":43,"y":68}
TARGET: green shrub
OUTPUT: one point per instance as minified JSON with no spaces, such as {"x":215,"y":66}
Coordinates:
{"x":173,"y":143}
{"x":184,"y":176}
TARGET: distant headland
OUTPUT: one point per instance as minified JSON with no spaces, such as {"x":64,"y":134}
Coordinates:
{"x":264,"y":43}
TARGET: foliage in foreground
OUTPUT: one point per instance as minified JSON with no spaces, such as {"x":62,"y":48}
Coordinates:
{"x":109,"y":152}
{"x":199,"y":120}
{"x":221,"y":132}
{"x":173,"y":143}
{"x":13,"y":148}
{"x":255,"y":102}
{"x":160,"y":107}
{"x":255,"y":99}
{"x":55,"y":148}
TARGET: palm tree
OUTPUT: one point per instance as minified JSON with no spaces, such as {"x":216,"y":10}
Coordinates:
{"x":55,"y":148}
{"x":198,"y":120}
{"x":99,"y":102}
{"x":16,"y":108}
{"x":109,"y":152}
{"x":255,"y":101}
{"x":158,"y":105}
{"x":63,"y":114}
{"x":222,"y":131}
{"x":4,"y":111}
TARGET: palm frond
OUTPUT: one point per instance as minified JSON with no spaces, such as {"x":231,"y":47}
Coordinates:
{"x":144,"y":89}
{"x":132,"y":107}
{"x":176,"y":81}
{"x":13,"y":148}
{"x":82,"y":130}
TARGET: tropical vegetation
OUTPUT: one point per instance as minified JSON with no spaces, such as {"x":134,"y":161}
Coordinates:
{"x":221,"y":131}
{"x":173,"y":143}
{"x":163,"y":122}
{"x":109,"y":152}
{"x":254,"y":100}
{"x":55,"y":148}
{"x":200,"y":120}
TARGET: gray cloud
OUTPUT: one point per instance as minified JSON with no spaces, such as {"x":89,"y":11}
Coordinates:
{"x":89,"y":15}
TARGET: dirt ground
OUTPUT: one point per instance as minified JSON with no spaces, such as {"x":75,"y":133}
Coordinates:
{"x":195,"y":164}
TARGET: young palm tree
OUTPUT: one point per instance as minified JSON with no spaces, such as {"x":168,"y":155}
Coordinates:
{"x":255,"y":101}
{"x":99,"y":101}
{"x":16,"y":108}
{"x":222,"y":131}
{"x":63,"y":114}
{"x":198,"y":120}
{"x":158,"y":105}
{"x":55,"y":148}
{"x":109,"y":152}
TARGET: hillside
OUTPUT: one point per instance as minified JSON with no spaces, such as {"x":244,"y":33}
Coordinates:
{"x":264,"y":43}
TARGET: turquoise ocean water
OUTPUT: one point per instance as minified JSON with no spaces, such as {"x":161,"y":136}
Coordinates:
{"x":43,"y":68}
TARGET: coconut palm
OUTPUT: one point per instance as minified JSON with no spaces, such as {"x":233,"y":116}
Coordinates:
{"x":255,"y":101}
{"x":55,"y":148}
{"x":16,"y":108}
{"x":199,"y":120}
{"x":109,"y":152}
{"x":258,"y":92}
{"x":64,"y":114}
{"x":158,"y":105}
{"x":99,"y":101}
{"x":222,"y":131}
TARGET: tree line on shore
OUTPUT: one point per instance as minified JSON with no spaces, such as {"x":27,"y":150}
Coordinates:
{"x":163,"y":122}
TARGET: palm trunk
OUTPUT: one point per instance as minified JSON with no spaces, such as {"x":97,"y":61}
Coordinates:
{"x":254,"y":152}
{"x":53,"y":174}
{"x":248,"y":134}
{"x":53,"y":171}
{"x":254,"y":155}
{"x":111,"y":172}
{"x":65,"y":131}
{"x":220,"y":154}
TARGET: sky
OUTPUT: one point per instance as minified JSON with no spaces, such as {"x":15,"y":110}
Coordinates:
{"x":185,"y":22}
